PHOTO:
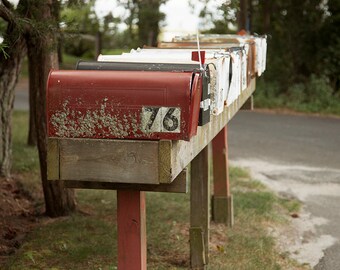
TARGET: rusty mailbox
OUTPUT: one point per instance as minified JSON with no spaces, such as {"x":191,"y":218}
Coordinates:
{"x":106,"y":104}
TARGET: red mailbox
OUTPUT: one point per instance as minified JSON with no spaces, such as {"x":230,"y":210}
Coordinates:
{"x":123,"y":104}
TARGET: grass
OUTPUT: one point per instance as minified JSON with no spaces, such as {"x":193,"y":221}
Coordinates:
{"x":25,"y":158}
{"x":87,"y":239}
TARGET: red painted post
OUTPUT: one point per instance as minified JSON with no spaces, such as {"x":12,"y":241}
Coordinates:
{"x":222,"y":206}
{"x":131,"y":230}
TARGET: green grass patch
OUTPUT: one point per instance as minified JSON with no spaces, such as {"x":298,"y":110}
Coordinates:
{"x":25,"y":158}
{"x":88,"y":239}
{"x":76,"y":242}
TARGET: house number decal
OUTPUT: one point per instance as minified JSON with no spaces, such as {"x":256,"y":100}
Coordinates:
{"x":161,"y":119}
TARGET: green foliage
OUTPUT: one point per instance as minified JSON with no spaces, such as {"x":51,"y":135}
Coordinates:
{"x":149,"y":18}
{"x":303,"y":59}
{"x":319,"y":92}
{"x":223,"y":25}
{"x":143,"y":21}
{"x":329,"y":45}
{"x":267,"y":94}
{"x":314,"y":95}
{"x":3,"y":47}
{"x":80,"y":27}
{"x":80,"y":18}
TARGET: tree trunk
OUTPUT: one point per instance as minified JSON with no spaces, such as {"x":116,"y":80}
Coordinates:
{"x":42,"y":56}
{"x":266,"y":16}
{"x":250,"y":16}
{"x":98,"y":44}
{"x":32,"y":135}
{"x":242,"y":16}
{"x":10,"y":66}
{"x":149,"y":17}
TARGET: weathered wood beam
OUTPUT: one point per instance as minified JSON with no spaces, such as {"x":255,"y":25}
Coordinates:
{"x":249,"y":104}
{"x":179,"y":185}
{"x":199,"y":211}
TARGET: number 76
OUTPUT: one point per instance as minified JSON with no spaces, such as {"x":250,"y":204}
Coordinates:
{"x":161,"y":119}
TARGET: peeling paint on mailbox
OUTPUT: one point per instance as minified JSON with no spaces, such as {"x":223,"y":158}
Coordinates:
{"x":120,"y":104}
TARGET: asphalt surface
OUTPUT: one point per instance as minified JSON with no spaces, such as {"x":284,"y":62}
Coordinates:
{"x":298,"y":156}
{"x":304,"y":140}
{"x":21,"y":97}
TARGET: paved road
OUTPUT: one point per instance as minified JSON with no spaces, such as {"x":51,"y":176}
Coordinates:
{"x":21,"y":97}
{"x":299,"y":156}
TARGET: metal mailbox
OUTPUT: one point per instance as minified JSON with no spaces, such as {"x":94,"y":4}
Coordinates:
{"x":204,"y":116}
{"x":108,"y":104}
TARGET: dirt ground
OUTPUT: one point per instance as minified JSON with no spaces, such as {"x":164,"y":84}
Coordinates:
{"x":18,"y":216}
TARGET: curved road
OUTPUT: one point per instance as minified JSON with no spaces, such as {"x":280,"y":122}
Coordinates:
{"x":296,"y":156}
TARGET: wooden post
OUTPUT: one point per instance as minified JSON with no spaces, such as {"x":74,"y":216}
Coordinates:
{"x":199,"y":216}
{"x":249,"y":104}
{"x":131,"y":230}
{"x":222,"y":210}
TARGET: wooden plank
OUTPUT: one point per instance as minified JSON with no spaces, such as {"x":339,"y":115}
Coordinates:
{"x":197,"y":258}
{"x":131,"y":222}
{"x":249,"y":104}
{"x":119,"y":161}
{"x":230,"y":214}
{"x":179,"y":185}
{"x":164,"y":161}
{"x":199,"y":201}
{"x":223,"y":210}
{"x":53,"y":159}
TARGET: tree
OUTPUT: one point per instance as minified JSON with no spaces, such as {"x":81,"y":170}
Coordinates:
{"x":130,"y":20}
{"x":149,"y":18}
{"x":243,"y":15}
{"x":229,"y":17}
{"x":81,"y":27}
{"x":12,"y":51}
{"x":143,"y":21}
{"x":329,"y":45}
{"x":303,"y":59}
{"x":35,"y":25}
{"x":42,"y":56}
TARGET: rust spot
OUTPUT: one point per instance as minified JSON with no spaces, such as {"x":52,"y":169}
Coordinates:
{"x":71,"y":123}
